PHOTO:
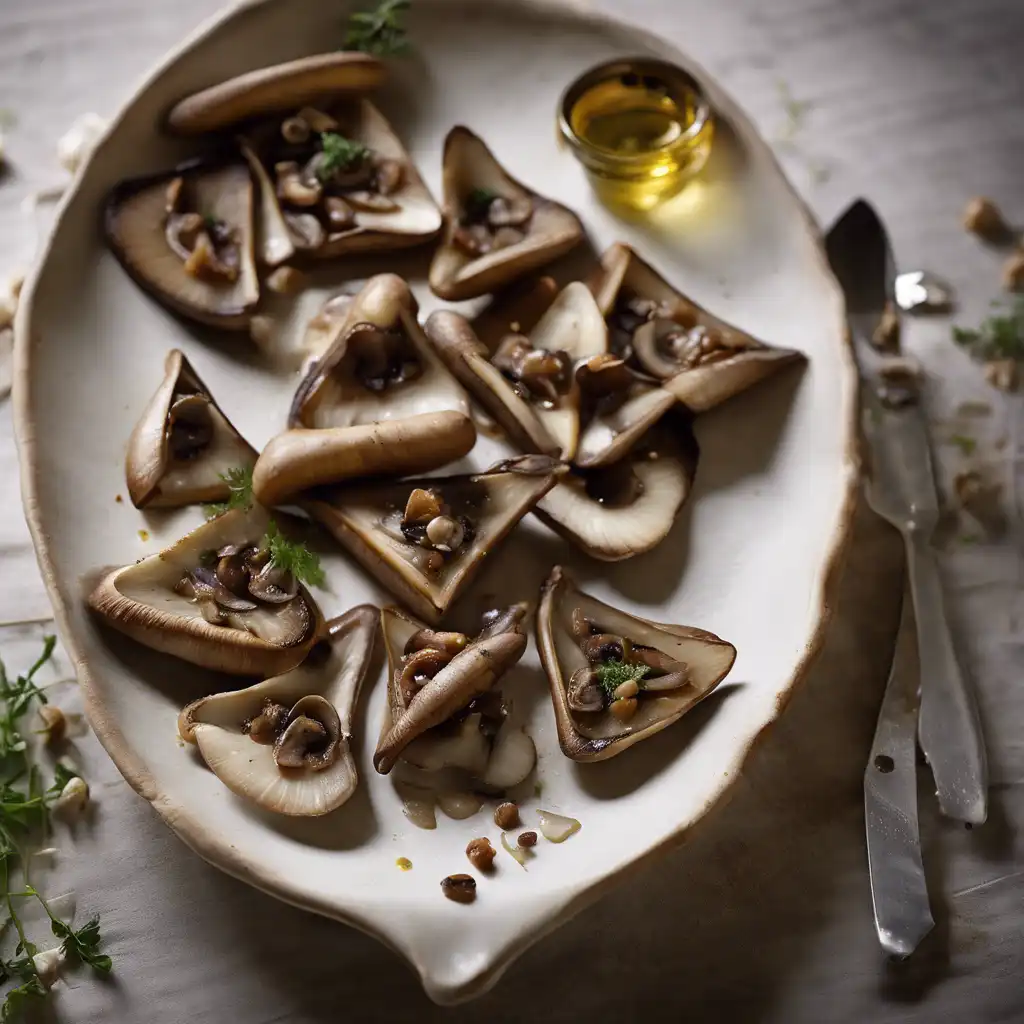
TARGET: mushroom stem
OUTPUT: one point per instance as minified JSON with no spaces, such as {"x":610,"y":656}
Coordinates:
{"x":297,"y":460}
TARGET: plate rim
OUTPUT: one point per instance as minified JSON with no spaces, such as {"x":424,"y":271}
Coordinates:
{"x":220,"y":853}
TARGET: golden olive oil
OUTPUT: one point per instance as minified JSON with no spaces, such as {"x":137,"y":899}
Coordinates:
{"x":641,"y":128}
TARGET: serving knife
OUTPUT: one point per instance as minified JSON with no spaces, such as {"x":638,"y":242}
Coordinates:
{"x":901,"y":489}
{"x":903,"y":915}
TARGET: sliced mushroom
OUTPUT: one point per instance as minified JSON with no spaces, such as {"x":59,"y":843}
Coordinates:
{"x":183,"y":446}
{"x":434,"y":711}
{"x":515,"y":310}
{"x":586,"y":733}
{"x":325,"y":689}
{"x":274,"y":242}
{"x":543,"y":229}
{"x":366,"y":520}
{"x":147,"y":601}
{"x":627,"y":508}
{"x":572,"y":326}
{"x":147,"y":229}
{"x":277,"y":89}
{"x":310,"y":735}
{"x":700,"y":359}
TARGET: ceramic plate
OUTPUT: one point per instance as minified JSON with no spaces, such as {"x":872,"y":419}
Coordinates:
{"x":752,"y":559}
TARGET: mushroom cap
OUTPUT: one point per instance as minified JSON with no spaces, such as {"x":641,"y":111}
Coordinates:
{"x":496,"y":501}
{"x":702,"y":387}
{"x":588,"y":736}
{"x":330,"y":395}
{"x":572,"y":323}
{"x":134,"y":221}
{"x":553,"y":229}
{"x":274,"y":244}
{"x":248,"y":768}
{"x":277,"y":89}
{"x":664,"y":465}
{"x":154,"y":477}
{"x":140,"y":601}
{"x":472,"y":671}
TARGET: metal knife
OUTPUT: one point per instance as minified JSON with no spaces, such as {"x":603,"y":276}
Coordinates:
{"x":901,"y":489}
{"x":903,"y":915}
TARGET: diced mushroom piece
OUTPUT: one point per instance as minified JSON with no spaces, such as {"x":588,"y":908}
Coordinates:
{"x":615,"y":678}
{"x":284,"y":744}
{"x":496,"y":229}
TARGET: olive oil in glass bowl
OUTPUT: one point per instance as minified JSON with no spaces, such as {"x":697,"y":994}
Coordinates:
{"x":642,"y":128}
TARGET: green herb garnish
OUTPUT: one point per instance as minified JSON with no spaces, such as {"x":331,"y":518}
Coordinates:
{"x":612,"y":674}
{"x":339,"y":154}
{"x":966,"y":444}
{"x":210,"y":222}
{"x":1000,"y":336}
{"x":379,"y":32}
{"x":239,"y":481}
{"x":292,"y":556}
{"x":478,"y":202}
{"x":24,"y":811}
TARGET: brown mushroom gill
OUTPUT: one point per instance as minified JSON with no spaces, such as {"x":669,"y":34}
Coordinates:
{"x":590,"y":649}
{"x":176,"y":602}
{"x":440,"y":698}
{"x":187,"y":237}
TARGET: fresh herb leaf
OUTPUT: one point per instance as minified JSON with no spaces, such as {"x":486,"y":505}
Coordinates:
{"x":380,"y":32}
{"x":1000,"y":336}
{"x":83,"y":944}
{"x":15,"y":699}
{"x":796,"y":112}
{"x":966,"y":444}
{"x":612,"y":674}
{"x":339,"y":154}
{"x":239,"y":481}
{"x":62,"y":775}
{"x":293,"y":557}
{"x":210,"y":222}
{"x":18,"y":1003}
{"x":478,"y":202}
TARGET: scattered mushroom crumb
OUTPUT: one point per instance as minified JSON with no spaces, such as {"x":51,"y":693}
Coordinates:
{"x":404,"y":863}
{"x":459,"y":888}
{"x":886,"y":336}
{"x":481,"y":854}
{"x":506,"y":815}
{"x":1013,"y":272}
{"x":527,"y":839}
{"x":143,"y":535}
{"x":968,"y":486}
{"x":55,"y":724}
{"x":982,"y":218}
{"x":119,"y":499}
{"x":1002,"y":374}
{"x":73,"y":798}
{"x":286,"y":280}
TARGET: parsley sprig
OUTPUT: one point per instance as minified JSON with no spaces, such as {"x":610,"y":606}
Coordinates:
{"x":613,"y":673}
{"x":239,"y":481}
{"x":24,"y":812}
{"x":478,"y":202}
{"x":380,"y":32}
{"x":339,"y":154}
{"x":293,"y":557}
{"x":1000,"y":336}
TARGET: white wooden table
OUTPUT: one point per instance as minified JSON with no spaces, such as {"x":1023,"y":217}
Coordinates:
{"x":764,"y":915}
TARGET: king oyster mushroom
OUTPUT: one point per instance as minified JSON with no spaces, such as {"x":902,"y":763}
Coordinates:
{"x":699,"y":359}
{"x":183,"y":446}
{"x":274,"y":243}
{"x":284,"y":743}
{"x":615,"y":678}
{"x":378,"y":402}
{"x":426,"y":539}
{"x":527,"y":383}
{"x":627,"y":508}
{"x":442,"y":708}
{"x":216,"y":599}
{"x":496,"y":229}
{"x":342,"y":180}
{"x":186,"y":236}
{"x":276,"y":89}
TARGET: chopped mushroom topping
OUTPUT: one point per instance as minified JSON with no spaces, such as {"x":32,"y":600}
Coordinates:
{"x":491,"y":221}
{"x":209,"y":247}
{"x":620,"y":673}
{"x":428,"y":522}
{"x":459,"y":888}
{"x":535,"y":373}
{"x":381,"y":358}
{"x":306,"y":736}
{"x":189,"y":426}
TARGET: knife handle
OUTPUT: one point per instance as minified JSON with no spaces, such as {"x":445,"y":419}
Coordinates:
{"x":949,"y":727}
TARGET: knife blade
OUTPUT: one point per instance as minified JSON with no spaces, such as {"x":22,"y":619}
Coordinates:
{"x":899,"y":893}
{"x":901,"y":489}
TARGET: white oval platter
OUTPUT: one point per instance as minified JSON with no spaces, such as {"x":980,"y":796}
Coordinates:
{"x":753,"y":558}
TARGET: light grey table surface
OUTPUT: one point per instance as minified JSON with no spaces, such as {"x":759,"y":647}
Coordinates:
{"x":764,"y":914}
